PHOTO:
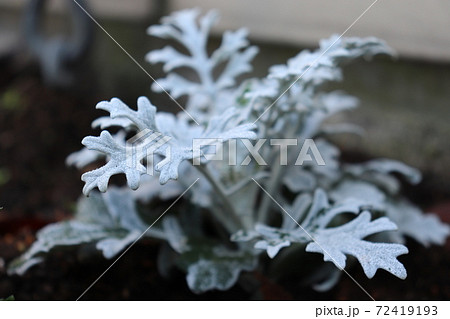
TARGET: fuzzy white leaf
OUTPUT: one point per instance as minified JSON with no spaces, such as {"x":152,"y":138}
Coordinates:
{"x":319,"y":66}
{"x":220,"y":272}
{"x":68,"y":233}
{"x":364,"y":192}
{"x":220,"y":128}
{"x":319,"y":205}
{"x":297,"y":211}
{"x":238,"y":64}
{"x":321,"y":213}
{"x":86,"y":156}
{"x":273,"y":239}
{"x":299,"y":180}
{"x":264,"y":88}
{"x":331,"y":280}
{"x":177,"y":86}
{"x":427,"y":229}
{"x":110,"y":247}
{"x":170,"y":57}
{"x":192,"y":31}
{"x":143,"y":118}
{"x":337,"y":101}
{"x":117,"y":163}
{"x":176,"y":148}
{"x":150,"y":188}
{"x":122,"y":208}
{"x":244,"y":235}
{"x":331,"y":170}
{"x":175,"y":235}
{"x":379,"y":172}
{"x":105,"y":122}
{"x":21,"y":265}
{"x":336,"y":243}
{"x":109,"y":219}
{"x":232,"y":42}
{"x":272,"y":246}
{"x":83,"y":157}
{"x":293,"y":229}
{"x":391,"y":166}
{"x":348,"y":48}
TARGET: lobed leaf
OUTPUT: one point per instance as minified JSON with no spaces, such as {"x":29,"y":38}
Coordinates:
{"x":220,"y":271}
{"x":118,"y":163}
{"x":335,"y":243}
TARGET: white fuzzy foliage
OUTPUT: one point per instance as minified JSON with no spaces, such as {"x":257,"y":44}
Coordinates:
{"x":192,"y":33}
{"x":362,"y":191}
{"x":175,"y":235}
{"x":335,"y":243}
{"x":116,"y":164}
{"x":333,"y":203}
{"x":427,"y":229}
{"x":82,"y":158}
{"x":315,"y":68}
{"x":110,"y":220}
{"x":219,"y":272}
{"x":384,"y":166}
{"x":180,"y":136}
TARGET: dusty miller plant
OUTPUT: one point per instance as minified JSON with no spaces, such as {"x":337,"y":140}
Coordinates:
{"x":231,"y":214}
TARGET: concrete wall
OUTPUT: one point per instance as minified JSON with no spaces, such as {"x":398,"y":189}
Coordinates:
{"x":415,"y":28}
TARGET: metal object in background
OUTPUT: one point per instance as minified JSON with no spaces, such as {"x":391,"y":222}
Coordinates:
{"x":56,"y":54}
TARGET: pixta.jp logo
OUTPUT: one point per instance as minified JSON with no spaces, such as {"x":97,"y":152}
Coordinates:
{"x":147,"y":144}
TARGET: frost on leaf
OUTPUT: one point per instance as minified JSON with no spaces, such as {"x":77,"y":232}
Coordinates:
{"x":335,"y":243}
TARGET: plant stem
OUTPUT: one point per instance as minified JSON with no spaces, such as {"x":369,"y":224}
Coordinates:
{"x":241,"y":184}
{"x":274,"y":182}
{"x":220,"y":191}
{"x":272,"y":187}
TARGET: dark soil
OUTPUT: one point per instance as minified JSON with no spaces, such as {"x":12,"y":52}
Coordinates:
{"x":39,"y":127}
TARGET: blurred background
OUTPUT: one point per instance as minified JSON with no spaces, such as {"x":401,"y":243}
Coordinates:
{"x":56,"y":64}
